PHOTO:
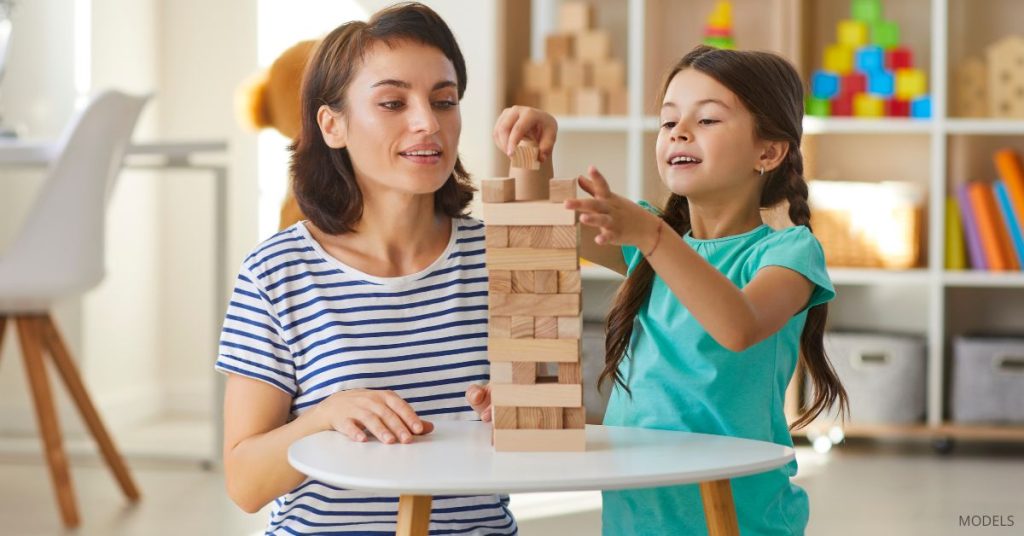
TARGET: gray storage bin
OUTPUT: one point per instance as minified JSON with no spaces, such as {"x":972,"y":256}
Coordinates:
{"x":988,"y":379}
{"x":884,"y":375}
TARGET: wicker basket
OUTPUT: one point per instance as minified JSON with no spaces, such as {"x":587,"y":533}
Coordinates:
{"x":868,"y":224}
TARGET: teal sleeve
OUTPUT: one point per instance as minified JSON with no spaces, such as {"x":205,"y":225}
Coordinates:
{"x":631,"y":254}
{"x":797,"y":249}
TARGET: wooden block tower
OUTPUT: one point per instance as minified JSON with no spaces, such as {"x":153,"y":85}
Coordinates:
{"x":534,"y":300}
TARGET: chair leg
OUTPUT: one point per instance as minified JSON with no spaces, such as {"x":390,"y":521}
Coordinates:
{"x":28,"y":333}
{"x":3,"y":324}
{"x":62,"y":358}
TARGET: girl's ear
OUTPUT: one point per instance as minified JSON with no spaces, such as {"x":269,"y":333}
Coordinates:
{"x":332,"y":127}
{"x":772,"y":155}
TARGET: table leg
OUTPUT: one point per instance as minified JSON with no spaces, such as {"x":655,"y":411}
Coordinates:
{"x":414,"y":515}
{"x":719,"y":511}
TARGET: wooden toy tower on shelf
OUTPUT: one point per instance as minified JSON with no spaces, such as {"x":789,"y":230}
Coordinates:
{"x":534,"y":300}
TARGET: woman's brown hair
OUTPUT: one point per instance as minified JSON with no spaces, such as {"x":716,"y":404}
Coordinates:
{"x":771,"y":90}
{"x":322,"y":178}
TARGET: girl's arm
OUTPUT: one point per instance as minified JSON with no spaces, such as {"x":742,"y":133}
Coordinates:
{"x":735,"y":318}
{"x":257,"y":433}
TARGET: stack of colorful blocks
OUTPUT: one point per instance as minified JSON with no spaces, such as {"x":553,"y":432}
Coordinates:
{"x":718,"y":32}
{"x":868,"y":73}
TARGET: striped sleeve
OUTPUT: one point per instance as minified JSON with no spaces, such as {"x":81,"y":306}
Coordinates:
{"x":251,"y":342}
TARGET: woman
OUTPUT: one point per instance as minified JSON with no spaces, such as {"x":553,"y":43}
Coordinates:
{"x":372,"y":315}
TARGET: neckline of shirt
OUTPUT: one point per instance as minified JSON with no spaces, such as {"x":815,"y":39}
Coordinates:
{"x":386,"y":281}
{"x":689,"y":236}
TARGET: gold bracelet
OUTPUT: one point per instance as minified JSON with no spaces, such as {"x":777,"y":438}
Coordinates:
{"x":657,"y":240}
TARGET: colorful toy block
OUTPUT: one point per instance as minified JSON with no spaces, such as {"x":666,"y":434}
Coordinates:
{"x":881,"y":83}
{"x":885,"y":33}
{"x":818,"y":107}
{"x":852,"y":33}
{"x":898,"y":58}
{"x":824,"y":85}
{"x":868,"y":105}
{"x":870,"y":58}
{"x":852,"y":83}
{"x":839,"y":59}
{"x":921,"y":107}
{"x":910,"y":83}
{"x":842,"y":106}
{"x":897,"y":108}
{"x":866,"y":10}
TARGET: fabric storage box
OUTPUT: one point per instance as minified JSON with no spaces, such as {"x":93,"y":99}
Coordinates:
{"x":884,"y":375}
{"x":988,"y":379}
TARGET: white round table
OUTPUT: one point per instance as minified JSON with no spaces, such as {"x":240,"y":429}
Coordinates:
{"x":457,"y":458}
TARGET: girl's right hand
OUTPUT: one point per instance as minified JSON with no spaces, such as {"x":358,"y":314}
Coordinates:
{"x":380,"y":412}
{"x":518,"y":122}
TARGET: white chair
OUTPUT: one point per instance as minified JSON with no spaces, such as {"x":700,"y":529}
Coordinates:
{"x":59,"y":255}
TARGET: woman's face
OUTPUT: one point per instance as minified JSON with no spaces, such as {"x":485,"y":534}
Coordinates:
{"x":402,"y":121}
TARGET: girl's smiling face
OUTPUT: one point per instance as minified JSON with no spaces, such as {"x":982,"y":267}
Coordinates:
{"x":707,"y":147}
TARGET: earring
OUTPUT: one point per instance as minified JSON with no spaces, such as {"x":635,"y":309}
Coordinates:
{"x":762,"y":171}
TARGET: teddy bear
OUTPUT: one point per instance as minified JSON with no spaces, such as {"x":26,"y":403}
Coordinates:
{"x":271,"y":99}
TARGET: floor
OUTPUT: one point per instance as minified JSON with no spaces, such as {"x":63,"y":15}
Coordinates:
{"x":858,"y":488}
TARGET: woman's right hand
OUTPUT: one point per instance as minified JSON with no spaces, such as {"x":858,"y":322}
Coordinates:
{"x":379,"y":412}
{"x":518,"y":122}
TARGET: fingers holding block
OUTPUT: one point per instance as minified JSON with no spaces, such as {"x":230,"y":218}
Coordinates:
{"x":526,"y":155}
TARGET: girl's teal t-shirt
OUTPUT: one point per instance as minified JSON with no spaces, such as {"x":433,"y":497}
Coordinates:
{"x":682,"y":379}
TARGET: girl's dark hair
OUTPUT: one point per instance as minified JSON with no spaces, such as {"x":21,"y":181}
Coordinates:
{"x":771,"y":90}
{"x":323,"y":179}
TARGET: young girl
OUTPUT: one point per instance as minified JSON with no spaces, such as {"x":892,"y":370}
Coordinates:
{"x":705,"y":333}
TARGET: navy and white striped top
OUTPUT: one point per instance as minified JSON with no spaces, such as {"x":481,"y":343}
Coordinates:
{"x":311,"y":326}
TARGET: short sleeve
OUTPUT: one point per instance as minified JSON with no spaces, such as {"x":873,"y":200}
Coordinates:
{"x":251,"y":342}
{"x":631,"y":254}
{"x":797,"y":249}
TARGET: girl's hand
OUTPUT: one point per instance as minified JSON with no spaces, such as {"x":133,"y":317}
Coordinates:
{"x":518,"y":122}
{"x":381,"y":413}
{"x":619,"y":221}
{"x":479,"y":398}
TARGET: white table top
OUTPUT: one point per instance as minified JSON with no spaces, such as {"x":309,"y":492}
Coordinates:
{"x":41,"y":152}
{"x":457,"y":457}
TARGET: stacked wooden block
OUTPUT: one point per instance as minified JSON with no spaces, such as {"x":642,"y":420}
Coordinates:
{"x":993,"y":87}
{"x":578,"y":75}
{"x":534,"y":300}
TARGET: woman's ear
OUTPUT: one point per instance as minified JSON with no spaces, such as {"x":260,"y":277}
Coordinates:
{"x":772,"y":155}
{"x":332,"y":127}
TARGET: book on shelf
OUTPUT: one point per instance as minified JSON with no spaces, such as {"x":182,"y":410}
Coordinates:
{"x":971,"y":233}
{"x":1010,"y":220}
{"x":956,"y":257}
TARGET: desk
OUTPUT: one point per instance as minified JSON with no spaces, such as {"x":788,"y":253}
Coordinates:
{"x":457,"y":458}
{"x":157,"y":157}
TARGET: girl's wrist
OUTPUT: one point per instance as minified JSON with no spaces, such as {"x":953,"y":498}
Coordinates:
{"x":653,"y":240}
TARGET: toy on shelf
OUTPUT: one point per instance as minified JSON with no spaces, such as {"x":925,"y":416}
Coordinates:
{"x":578,"y":75}
{"x":867,"y":72}
{"x":993,"y":87}
{"x":535,"y":321}
{"x":718,"y":31}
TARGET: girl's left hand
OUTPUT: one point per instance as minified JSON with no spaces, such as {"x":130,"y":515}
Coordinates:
{"x":479,"y":398}
{"x":618,"y":220}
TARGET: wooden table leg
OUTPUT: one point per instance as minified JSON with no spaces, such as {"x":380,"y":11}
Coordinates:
{"x":413,"y":515}
{"x":719,"y":511}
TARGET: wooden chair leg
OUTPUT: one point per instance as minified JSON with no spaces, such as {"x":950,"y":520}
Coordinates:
{"x":46,"y":414}
{"x":719,"y":510}
{"x":413,"y":515}
{"x":69,"y":372}
{"x":3,"y":324}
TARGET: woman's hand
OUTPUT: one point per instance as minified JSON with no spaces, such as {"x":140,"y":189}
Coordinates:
{"x":618,"y":220}
{"x":379,"y":412}
{"x":518,"y":122}
{"x":479,"y":398}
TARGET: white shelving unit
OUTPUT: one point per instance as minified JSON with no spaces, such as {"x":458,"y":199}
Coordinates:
{"x":938,"y":291}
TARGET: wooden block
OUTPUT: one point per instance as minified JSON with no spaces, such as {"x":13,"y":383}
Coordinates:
{"x":542,"y":236}
{"x":496,"y":236}
{"x":505,"y":418}
{"x":559,"y":46}
{"x":569,"y":373}
{"x":545,"y":327}
{"x":594,"y":45}
{"x":533,"y":350}
{"x":556,"y":101}
{"x":500,"y":327}
{"x":526,"y":155}
{"x":609,"y":75}
{"x":531,"y":184}
{"x":527,"y":97}
{"x":972,"y":89}
{"x":522,"y":327}
{"x":589,"y":101}
{"x":501,"y":373}
{"x":499,"y":281}
{"x":544,"y":282}
{"x":531,"y":259}
{"x":522,"y":281}
{"x":1005,"y":77}
{"x":524,"y":373}
{"x":574,"y":418}
{"x":575,"y":73}
{"x":568,"y":281}
{"x":539,"y":76}
{"x":541,"y":395}
{"x":528,"y":213}
{"x":551,"y":418}
{"x":618,"y":102}
{"x":569,"y":327}
{"x":575,"y":17}
{"x":498,"y":190}
{"x":530,"y":304}
{"x":540,"y":440}
{"x":561,"y":189}
{"x":528,"y":418}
